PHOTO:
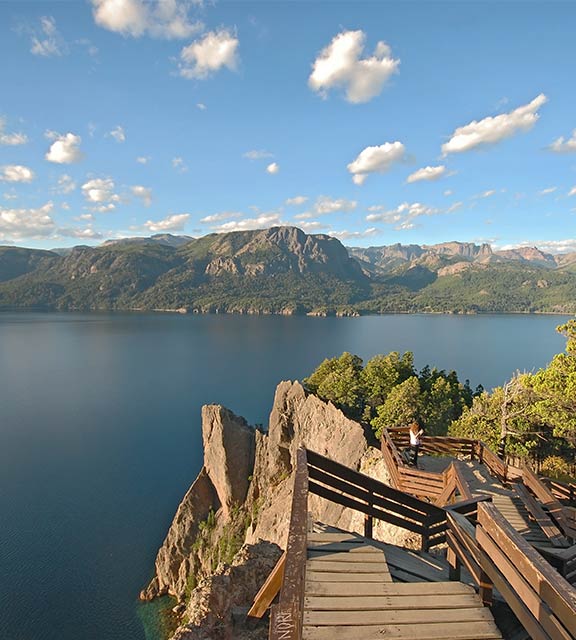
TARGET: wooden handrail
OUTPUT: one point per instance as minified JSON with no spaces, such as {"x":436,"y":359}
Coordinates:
{"x":543,"y":601}
{"x":287,"y":616}
{"x":342,"y":485}
{"x":557,"y":511}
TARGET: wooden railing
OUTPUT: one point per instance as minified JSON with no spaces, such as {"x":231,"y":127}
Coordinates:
{"x":286,"y":617}
{"x":342,"y":485}
{"x":442,"y":445}
{"x":561,"y":515}
{"x":496,"y":556}
{"x":565,"y":492}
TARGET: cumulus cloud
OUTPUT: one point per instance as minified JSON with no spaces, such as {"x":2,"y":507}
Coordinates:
{"x":84,"y":234}
{"x":201,"y":106}
{"x":65,"y":149}
{"x":562,"y":145}
{"x":261,"y":222}
{"x":403,"y":216}
{"x":100,"y":194}
{"x":348,"y":235}
{"x":47,"y":41}
{"x":143,"y":159}
{"x":313,"y":225}
{"x":16,"y":173}
{"x":257,"y":154}
{"x":273,"y":168}
{"x":325,"y":205}
{"x":218,"y":217}
{"x":118,"y":134}
{"x":65,"y":184}
{"x":493,"y":129}
{"x":16,"y":224}
{"x":175,"y":222}
{"x":168,"y":19}
{"x":179,"y":165}
{"x":144,"y":193}
{"x":296,"y":201}
{"x":339,"y":65}
{"x":376,"y":160}
{"x":214,"y":50}
{"x":10,"y":139}
{"x":572,"y":192}
{"x":427,"y":173}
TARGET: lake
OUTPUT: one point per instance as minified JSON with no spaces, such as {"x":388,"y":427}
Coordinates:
{"x":100,"y":434}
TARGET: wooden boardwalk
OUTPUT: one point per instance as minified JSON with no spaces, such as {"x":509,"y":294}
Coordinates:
{"x":350,"y":594}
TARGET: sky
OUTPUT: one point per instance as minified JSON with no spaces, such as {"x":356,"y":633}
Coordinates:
{"x":376,"y":122}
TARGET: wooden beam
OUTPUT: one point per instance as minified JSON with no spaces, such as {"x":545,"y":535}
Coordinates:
{"x":269,"y":590}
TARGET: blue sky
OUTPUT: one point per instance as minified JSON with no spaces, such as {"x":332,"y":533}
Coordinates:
{"x":377,"y":122}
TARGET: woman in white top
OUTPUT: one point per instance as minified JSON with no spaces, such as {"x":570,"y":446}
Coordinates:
{"x":416,"y":432}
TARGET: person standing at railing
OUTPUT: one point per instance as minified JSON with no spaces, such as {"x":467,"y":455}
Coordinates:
{"x":416,"y":433}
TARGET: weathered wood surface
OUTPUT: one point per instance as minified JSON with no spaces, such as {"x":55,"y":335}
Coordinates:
{"x":349,"y":594}
{"x":269,"y":590}
{"x":543,"y":601}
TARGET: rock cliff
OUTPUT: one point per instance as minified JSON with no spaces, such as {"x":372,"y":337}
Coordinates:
{"x":229,"y":530}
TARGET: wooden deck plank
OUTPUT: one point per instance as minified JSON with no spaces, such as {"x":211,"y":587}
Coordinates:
{"x":389,"y":589}
{"x":344,"y":556}
{"x":347,"y":567}
{"x":435,"y":631}
{"x":335,"y":537}
{"x":326,"y":576}
{"x":346,"y":547}
{"x":395,"y":616}
{"x":410,"y":602}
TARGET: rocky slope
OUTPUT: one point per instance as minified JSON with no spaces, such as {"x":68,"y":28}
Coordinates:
{"x":230,"y":527}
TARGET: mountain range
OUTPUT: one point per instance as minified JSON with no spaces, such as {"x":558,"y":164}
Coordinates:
{"x":284,"y":270}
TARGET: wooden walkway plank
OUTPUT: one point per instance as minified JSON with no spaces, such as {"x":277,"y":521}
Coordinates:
{"x":395,"y":616}
{"x":435,"y":631}
{"x":399,"y":589}
{"x":413,"y":602}
{"x":326,"y":576}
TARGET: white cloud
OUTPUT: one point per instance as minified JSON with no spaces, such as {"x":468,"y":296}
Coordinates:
{"x":347,"y":235}
{"x":427,"y":173}
{"x":218,"y":217}
{"x":168,"y":19}
{"x":85,"y":234}
{"x":562,"y":145}
{"x":257,"y":154}
{"x":10,"y":139}
{"x":273,"y":168}
{"x":339,"y":66}
{"x":493,"y":129}
{"x":9,"y":195}
{"x":404,"y":215}
{"x":143,"y":159}
{"x":261,"y":222}
{"x":448,"y":192}
{"x":47,"y":41}
{"x":214,"y":50}
{"x":376,"y":160}
{"x":85,"y":216}
{"x":118,"y":134}
{"x":313,"y":225}
{"x":545,"y":192}
{"x":144,"y":193}
{"x":296,"y":201}
{"x":179,"y":165}
{"x":485,"y":194}
{"x":325,"y":205}
{"x":65,"y":184}
{"x":201,"y":106}
{"x":567,"y":245}
{"x":100,"y":192}
{"x":26,"y":223}
{"x":572,"y":192}
{"x":175,"y":222}
{"x":16,"y":173}
{"x":65,"y":149}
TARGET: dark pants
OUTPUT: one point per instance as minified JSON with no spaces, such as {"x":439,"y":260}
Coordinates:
{"x":415,"y":448}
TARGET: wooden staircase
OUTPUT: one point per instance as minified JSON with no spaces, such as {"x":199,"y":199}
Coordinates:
{"x":350,"y":594}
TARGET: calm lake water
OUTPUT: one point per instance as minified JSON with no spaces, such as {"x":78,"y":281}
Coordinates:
{"x":100,"y":434}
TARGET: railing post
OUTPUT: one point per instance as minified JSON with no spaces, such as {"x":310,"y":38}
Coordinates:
{"x":368,"y":520}
{"x":454,"y":565}
{"x":485,"y":589}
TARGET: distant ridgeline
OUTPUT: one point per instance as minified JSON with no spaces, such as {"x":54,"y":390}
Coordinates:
{"x":283,"y":270}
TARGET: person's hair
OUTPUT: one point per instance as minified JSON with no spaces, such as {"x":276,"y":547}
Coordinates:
{"x":415,"y":427}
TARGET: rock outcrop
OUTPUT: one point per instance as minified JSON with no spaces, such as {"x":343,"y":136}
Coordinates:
{"x":230,"y":528}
